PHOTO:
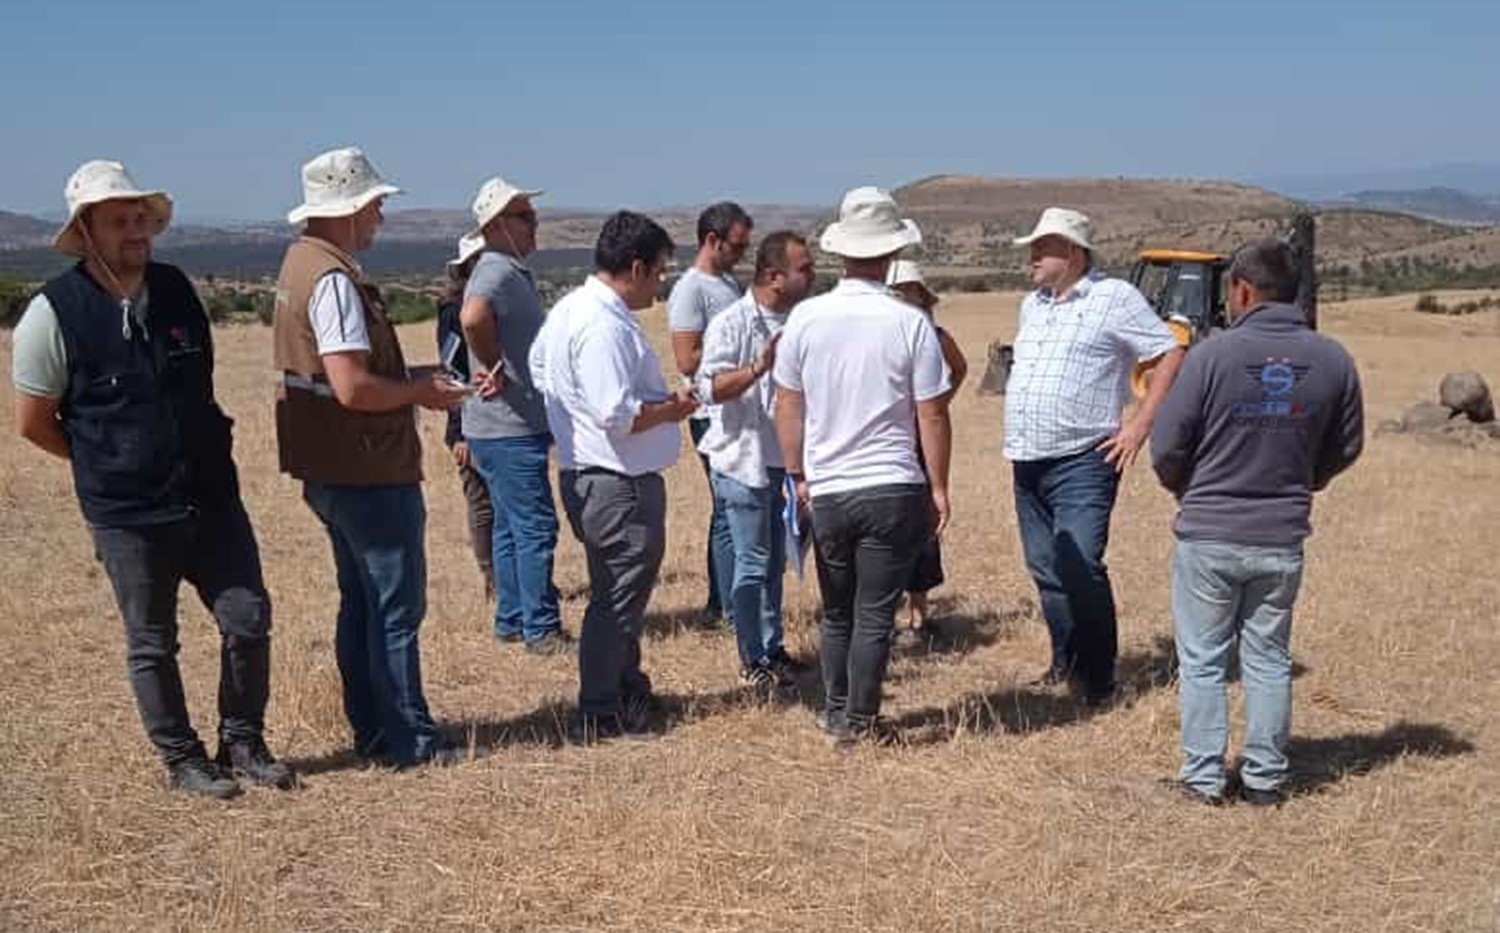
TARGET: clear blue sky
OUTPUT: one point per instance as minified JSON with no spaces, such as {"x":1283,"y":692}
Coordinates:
{"x":649,"y":104}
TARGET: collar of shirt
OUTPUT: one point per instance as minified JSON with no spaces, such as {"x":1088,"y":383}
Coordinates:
{"x":510,"y":260}
{"x":606,"y":297}
{"x":861,"y":287}
{"x":1080,"y":289}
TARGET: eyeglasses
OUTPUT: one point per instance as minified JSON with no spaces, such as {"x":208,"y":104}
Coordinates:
{"x":526,"y":217}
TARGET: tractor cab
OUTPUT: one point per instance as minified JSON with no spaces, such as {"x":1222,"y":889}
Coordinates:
{"x":1186,"y":287}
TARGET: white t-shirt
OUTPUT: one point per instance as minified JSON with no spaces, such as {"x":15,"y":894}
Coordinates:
{"x":862,"y":359}
{"x":338,"y":315}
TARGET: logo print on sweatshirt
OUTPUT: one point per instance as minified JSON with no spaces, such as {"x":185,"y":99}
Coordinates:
{"x":1276,"y":379}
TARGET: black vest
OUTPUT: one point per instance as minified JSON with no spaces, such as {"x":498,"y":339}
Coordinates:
{"x":147,"y":441}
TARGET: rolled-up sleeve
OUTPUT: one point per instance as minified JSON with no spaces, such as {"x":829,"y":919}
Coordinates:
{"x":1137,"y":326}
{"x":930,"y":378}
{"x":721,"y":353}
{"x":605,"y":367}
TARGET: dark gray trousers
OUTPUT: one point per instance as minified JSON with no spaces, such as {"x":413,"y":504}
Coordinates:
{"x":216,"y":552}
{"x":866,"y":541}
{"x":621,"y":521}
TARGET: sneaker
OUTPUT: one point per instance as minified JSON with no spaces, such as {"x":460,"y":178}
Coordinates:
{"x":760,"y":678}
{"x":1193,"y":795}
{"x":252,"y":761}
{"x":785,"y":666}
{"x":201,"y":776}
{"x":549,"y":644}
{"x":878,"y":731}
{"x":832,"y":723}
{"x":592,"y":728}
{"x":1256,"y":797}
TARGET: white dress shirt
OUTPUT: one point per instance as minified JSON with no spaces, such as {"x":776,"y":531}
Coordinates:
{"x":862,"y":359}
{"x":595,"y":369}
{"x":741,"y":438}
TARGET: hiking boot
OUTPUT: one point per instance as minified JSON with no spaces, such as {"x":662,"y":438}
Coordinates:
{"x":552,"y":643}
{"x":251,"y":760}
{"x":509,"y":638}
{"x":201,"y":776}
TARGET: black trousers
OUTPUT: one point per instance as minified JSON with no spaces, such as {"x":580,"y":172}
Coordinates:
{"x":866,"y":541}
{"x":215,"y":552}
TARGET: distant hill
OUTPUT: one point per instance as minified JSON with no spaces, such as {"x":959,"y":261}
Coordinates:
{"x":1445,"y":204}
{"x":20,"y":231}
{"x":968,"y":224}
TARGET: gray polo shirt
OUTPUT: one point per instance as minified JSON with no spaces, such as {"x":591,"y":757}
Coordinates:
{"x":518,"y":410}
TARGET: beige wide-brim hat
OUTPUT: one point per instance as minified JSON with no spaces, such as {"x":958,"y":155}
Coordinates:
{"x":869,"y":226}
{"x":906,"y":272}
{"x":338,"y":183}
{"x":469,"y":246}
{"x":1069,"y":224}
{"x":101,"y":180}
{"x":493,"y":198}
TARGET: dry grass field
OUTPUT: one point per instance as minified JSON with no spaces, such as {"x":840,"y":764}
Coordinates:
{"x":1004,"y":808}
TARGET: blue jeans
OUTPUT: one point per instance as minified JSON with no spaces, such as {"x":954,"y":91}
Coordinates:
{"x":1063,"y":508}
{"x":720,"y":542}
{"x":378,"y":548}
{"x":524,"y":537}
{"x":759,"y":532}
{"x":1221,"y":592}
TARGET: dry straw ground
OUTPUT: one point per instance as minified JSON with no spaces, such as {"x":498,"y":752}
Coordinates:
{"x":1004,"y":809}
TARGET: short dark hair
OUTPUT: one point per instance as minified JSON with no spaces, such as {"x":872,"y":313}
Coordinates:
{"x":772,"y":252}
{"x":628,"y":237}
{"x":1269,"y":265}
{"x":719,"y":219}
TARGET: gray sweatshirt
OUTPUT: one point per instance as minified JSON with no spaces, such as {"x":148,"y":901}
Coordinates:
{"x":1261,"y":416}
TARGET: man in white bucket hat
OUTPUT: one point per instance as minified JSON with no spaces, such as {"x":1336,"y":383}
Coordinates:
{"x":345,"y":428}
{"x":505,"y":422}
{"x":1081,"y":336}
{"x":859,"y":377}
{"x":114,"y":373}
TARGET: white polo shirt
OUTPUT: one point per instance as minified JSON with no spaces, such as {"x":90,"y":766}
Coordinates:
{"x":595,"y":369}
{"x":862,"y":359}
{"x":1073,"y":358}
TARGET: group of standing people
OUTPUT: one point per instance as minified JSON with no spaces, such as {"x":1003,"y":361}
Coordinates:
{"x":830,"y":412}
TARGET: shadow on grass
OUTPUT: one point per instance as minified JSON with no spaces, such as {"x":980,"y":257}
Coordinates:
{"x":552,"y":726}
{"x":1318,"y":763}
{"x":1025,"y":709}
{"x":951,"y":632}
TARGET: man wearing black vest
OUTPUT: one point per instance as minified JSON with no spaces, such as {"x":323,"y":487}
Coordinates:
{"x":114,"y":373}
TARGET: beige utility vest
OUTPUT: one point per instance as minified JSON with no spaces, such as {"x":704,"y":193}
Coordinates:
{"x":320,"y":440}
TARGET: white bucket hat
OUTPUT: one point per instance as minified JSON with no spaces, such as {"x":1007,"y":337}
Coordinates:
{"x":469,"y":246}
{"x":101,"y":180}
{"x":493,"y":198}
{"x":338,"y":183}
{"x":905,"y":272}
{"x":869,"y":225}
{"x":1069,"y":224}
